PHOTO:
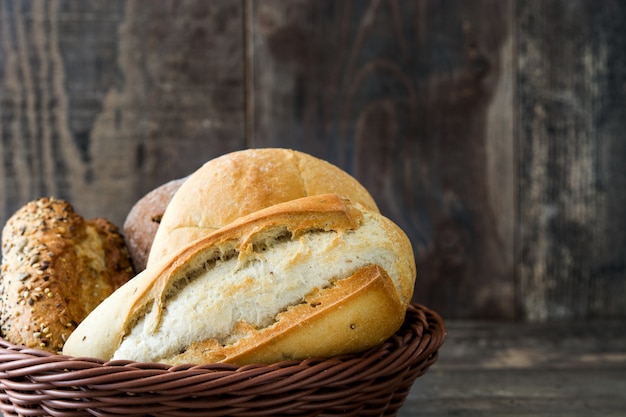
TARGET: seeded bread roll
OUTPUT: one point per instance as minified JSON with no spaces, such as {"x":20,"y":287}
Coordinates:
{"x":313,"y":277}
{"x":56,"y":268}
{"x":142,"y":221}
{"x":239,"y":183}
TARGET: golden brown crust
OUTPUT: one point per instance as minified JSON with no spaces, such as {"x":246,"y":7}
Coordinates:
{"x":56,"y":268}
{"x":240,"y":183}
{"x":143,"y":219}
{"x":354,"y":299}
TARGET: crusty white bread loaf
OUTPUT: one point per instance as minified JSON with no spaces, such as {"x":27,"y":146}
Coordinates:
{"x":311,"y":277}
{"x":56,"y":268}
{"x":242,"y":182}
{"x":143,"y":219}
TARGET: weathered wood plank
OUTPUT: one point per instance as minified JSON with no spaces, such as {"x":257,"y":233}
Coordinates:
{"x":521,"y":369}
{"x":572,"y":218}
{"x":103,"y":101}
{"x":561,"y":393}
{"x":489,"y":130}
{"x":548,"y":346}
{"x":415,"y":99}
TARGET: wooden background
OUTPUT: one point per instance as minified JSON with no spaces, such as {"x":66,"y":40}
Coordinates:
{"x":492,"y":131}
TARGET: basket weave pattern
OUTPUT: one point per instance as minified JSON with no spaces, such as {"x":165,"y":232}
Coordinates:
{"x":373,"y":383}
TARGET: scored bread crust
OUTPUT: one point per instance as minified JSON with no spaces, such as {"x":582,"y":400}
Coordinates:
{"x":370,"y":301}
{"x":352,"y":315}
{"x":242,"y":182}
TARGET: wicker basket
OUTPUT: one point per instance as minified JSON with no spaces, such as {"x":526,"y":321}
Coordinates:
{"x":374,"y":383}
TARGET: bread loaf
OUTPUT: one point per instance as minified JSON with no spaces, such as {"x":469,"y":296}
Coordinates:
{"x":239,"y":183}
{"x":312,"y":277}
{"x":56,"y":268}
{"x":143,"y":219}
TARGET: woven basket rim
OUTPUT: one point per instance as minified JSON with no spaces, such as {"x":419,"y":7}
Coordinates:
{"x":34,"y":382}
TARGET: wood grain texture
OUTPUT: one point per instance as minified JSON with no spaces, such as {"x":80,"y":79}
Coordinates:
{"x":521,"y":369}
{"x":489,"y":130}
{"x":103,"y":101}
{"x":572,"y":154}
{"x":412,"y":99}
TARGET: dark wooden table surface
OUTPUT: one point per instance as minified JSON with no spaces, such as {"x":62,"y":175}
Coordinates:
{"x":513,"y":369}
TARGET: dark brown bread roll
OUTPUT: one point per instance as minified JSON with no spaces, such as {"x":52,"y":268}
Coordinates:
{"x":56,"y":268}
{"x":143,"y":220}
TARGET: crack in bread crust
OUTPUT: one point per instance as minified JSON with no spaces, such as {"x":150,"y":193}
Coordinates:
{"x":256,"y":279}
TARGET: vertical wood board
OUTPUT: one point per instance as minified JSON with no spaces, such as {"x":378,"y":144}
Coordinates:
{"x":572,"y":158}
{"x":489,"y":130}
{"x":414,"y":99}
{"x":103,"y":101}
